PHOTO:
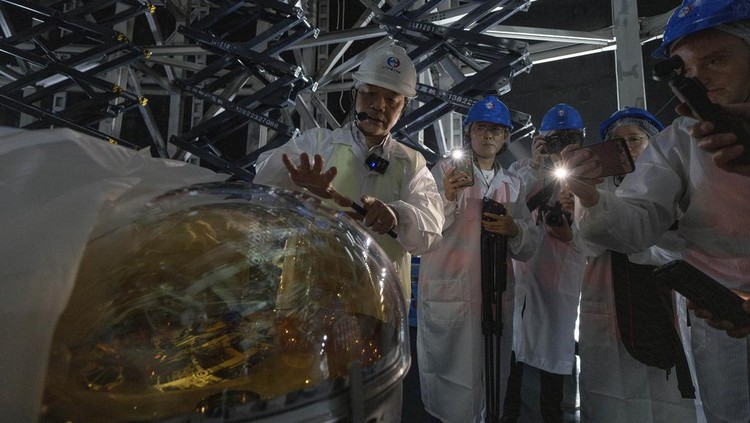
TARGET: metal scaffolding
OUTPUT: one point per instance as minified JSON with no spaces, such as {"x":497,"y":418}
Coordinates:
{"x":220,"y":81}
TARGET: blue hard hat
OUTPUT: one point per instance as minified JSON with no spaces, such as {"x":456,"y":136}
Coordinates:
{"x":651,"y":126}
{"x":561,"y":117}
{"x":489,"y":109}
{"x":696,"y":15}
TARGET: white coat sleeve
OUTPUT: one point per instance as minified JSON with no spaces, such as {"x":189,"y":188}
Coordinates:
{"x":523,"y":245}
{"x":420,"y":213}
{"x":449,"y":207}
{"x":531,"y":178}
{"x":270,"y":170}
{"x":580,"y":242}
{"x":641,"y":210}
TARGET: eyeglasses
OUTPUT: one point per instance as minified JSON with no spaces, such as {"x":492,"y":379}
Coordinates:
{"x":632,"y":140}
{"x":495,"y":131}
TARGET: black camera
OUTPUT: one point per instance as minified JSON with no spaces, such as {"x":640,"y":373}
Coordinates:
{"x":691,"y":92}
{"x":553,"y":215}
{"x":377,"y":163}
{"x":554,"y":143}
{"x":491,"y":206}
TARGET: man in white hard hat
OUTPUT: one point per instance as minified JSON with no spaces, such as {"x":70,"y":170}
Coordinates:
{"x":362,"y":162}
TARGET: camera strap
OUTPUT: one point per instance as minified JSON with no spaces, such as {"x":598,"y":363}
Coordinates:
{"x":488,"y":176}
{"x":496,"y":169}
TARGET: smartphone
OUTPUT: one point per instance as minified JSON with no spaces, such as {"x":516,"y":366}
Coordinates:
{"x":491,"y":206}
{"x":692,"y":92}
{"x":703,"y":291}
{"x":614,"y":157}
{"x":463,"y":161}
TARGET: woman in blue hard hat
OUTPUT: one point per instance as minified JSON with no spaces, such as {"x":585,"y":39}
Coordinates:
{"x":614,"y":386}
{"x":561,"y":125}
{"x":449,"y":337}
{"x":549,"y":284}
{"x":632,"y":124}
{"x":688,"y":174}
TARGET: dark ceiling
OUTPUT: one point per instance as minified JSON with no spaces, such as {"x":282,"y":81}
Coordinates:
{"x":587,"y":83}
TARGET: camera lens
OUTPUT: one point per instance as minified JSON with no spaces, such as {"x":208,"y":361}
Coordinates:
{"x":555,"y":143}
{"x":554,"y":218}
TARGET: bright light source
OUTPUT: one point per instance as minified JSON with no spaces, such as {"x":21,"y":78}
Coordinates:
{"x":561,"y":173}
{"x":457,"y":154}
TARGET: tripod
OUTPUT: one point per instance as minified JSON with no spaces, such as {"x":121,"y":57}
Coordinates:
{"x":494,"y":281}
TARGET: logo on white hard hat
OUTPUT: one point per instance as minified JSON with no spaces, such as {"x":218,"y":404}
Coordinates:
{"x":393,"y":62}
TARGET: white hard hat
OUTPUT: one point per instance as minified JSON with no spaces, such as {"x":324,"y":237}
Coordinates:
{"x":389,"y":67}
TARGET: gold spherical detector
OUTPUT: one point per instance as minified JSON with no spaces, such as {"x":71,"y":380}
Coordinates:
{"x":228,"y":302}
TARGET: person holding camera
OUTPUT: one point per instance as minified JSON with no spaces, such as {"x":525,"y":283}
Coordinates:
{"x":361,"y":161}
{"x":684,"y":175}
{"x":450,"y":345}
{"x":615,"y":386}
{"x":725,"y":147}
{"x":549,"y":284}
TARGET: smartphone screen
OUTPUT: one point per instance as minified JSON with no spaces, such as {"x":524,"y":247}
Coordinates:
{"x":464,"y":163}
{"x":614,"y":157}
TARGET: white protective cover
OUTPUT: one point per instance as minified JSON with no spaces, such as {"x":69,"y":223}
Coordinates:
{"x":57,"y":188}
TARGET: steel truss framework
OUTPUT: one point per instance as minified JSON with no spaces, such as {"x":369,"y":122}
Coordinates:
{"x":247,"y":70}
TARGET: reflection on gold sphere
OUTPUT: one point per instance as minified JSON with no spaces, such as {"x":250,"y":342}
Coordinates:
{"x":215,"y":295}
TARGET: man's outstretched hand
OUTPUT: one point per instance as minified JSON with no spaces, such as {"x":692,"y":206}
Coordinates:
{"x":375,"y":214}
{"x":311,"y":177}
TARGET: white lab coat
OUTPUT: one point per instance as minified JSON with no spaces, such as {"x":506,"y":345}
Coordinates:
{"x":407,"y":186}
{"x":58,"y":187}
{"x":450,"y":345}
{"x":548,"y":288}
{"x":615,"y":387}
{"x":673,"y":175}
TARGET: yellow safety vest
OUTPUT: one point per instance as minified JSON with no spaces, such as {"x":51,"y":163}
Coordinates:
{"x":387,"y":188}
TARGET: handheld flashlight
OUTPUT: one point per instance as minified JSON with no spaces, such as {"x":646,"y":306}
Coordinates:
{"x":560,"y":173}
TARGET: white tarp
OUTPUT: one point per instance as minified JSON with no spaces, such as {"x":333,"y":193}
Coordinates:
{"x":56,"y":188}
